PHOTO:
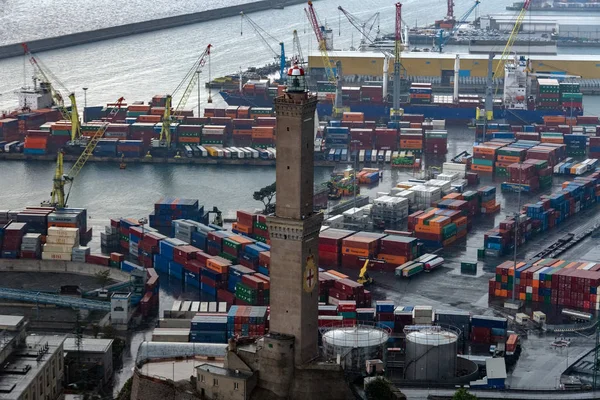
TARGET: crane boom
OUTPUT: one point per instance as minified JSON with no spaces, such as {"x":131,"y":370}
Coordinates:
{"x":511,"y":40}
{"x":362,"y":26}
{"x":443,"y":40}
{"x":298,"y":49}
{"x":46,"y":76}
{"x":59,"y":199}
{"x":263,"y":36}
{"x":312,"y":16}
{"x":187,"y":84}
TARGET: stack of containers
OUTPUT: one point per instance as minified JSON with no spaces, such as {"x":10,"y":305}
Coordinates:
{"x":71,"y":218}
{"x":253,"y":290}
{"x":189,"y":134}
{"x":576,"y":144}
{"x":420,"y":93}
{"x":548,"y":97}
{"x":245,"y":222}
{"x":263,"y":136}
{"x":459,"y":319}
{"x":385,"y":314}
{"x":360,"y":245}
{"x":213,"y":275}
{"x":130,"y":148}
{"x":484,"y":156}
{"x":543,"y":171}
{"x":163,"y":261}
{"x":9,"y":129}
{"x":506,"y":156}
{"x":136,"y":110}
{"x":486,"y":329}
{"x":403,"y":316}
{"x":36,"y":142}
{"x":390,"y":210}
{"x":385,"y":139}
{"x":330,"y":246}
{"x":234,"y":276}
{"x":436,"y":142}
{"x":36,"y":219}
{"x":247,"y":321}
{"x":233,"y":247}
{"x":336,"y":137}
{"x":346,"y":290}
{"x":362,"y":139}
{"x":125,"y":224}
{"x":256,"y":112}
{"x":209,"y":328}
{"x":411,"y":139}
{"x":80,"y":253}
{"x":570,"y":96}
{"x":200,"y":236}
{"x":548,"y":152}
{"x":213,"y":134}
{"x":425,"y":196}
{"x":106,"y":148}
{"x":396,"y":250}
{"x":214,"y":244}
{"x":59,"y":243}
{"x":347,"y":310}
{"x":524,"y":176}
{"x":423,"y":315}
{"x":31,"y":246}
{"x":144,"y":131}
{"x":242,"y":132}
{"x":261,"y":231}
{"x":487,"y":197}
{"x":594,"y":151}
{"x":168,"y":209}
{"x":110,"y":237}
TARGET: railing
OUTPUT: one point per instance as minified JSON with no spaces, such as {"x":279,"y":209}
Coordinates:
{"x":46,"y":298}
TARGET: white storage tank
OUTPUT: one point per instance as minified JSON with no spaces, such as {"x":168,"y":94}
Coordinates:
{"x":431,"y":355}
{"x":355,"y":345}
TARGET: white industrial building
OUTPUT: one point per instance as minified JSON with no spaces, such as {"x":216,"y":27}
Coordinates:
{"x":565,"y":26}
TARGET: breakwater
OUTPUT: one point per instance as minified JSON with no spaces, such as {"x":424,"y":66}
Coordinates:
{"x":74,"y":39}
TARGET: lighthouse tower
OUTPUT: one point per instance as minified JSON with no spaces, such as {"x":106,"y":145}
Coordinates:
{"x":294,"y":229}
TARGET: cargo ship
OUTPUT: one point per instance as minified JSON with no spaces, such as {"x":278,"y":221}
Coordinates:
{"x":558,"y":5}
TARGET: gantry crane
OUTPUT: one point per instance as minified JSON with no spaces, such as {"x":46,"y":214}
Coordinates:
{"x":263,"y":34}
{"x":332,"y":77}
{"x":188,"y":83}
{"x":45,"y":75}
{"x":399,"y":71}
{"x":59,"y":198}
{"x":364,"y":27}
{"x":441,"y":39}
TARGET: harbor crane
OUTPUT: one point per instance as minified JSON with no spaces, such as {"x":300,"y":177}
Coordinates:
{"x":450,"y":12}
{"x":59,"y":199}
{"x":511,"y":40}
{"x":187,"y":84}
{"x":399,"y":71}
{"x":43,"y":74}
{"x":299,"y":57}
{"x":332,"y":77}
{"x":263,"y":36}
{"x":364,"y":27}
{"x":443,"y":39}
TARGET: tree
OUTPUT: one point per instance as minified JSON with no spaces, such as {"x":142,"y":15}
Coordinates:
{"x":379,"y":389}
{"x":265,"y":195}
{"x":462,"y":394}
{"x":102,"y":277}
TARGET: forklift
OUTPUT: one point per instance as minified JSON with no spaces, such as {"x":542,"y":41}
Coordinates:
{"x":363,"y":275}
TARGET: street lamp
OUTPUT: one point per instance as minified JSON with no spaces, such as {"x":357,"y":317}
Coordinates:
{"x":84,"y":102}
{"x":355,"y":143}
{"x":142,"y":222}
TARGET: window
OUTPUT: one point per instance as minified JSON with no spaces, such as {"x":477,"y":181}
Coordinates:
{"x":236,"y":386}
{"x":215,"y":382}
{"x":118,"y":309}
{"x":201,"y":378}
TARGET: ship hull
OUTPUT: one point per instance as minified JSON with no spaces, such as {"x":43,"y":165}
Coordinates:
{"x":452,"y":115}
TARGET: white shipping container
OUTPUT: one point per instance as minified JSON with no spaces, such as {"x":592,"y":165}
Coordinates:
{"x":56,"y":256}
{"x":64,"y":232}
{"x":58,"y":248}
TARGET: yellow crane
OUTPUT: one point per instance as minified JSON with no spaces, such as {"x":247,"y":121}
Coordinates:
{"x":187,"y":83}
{"x":44,"y":75}
{"x":511,"y":41}
{"x":59,"y":198}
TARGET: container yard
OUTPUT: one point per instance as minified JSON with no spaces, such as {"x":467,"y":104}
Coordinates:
{"x":443,"y":255}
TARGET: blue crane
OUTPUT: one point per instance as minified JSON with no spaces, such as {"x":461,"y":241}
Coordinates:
{"x":263,"y":36}
{"x":442,"y":40}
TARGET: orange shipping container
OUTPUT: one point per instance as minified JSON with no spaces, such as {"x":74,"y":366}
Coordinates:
{"x":481,"y":168}
{"x":218,"y":265}
{"x":392,"y":259}
{"x":194,"y":140}
{"x":149,"y":118}
{"x":338,"y":274}
{"x":138,"y":108}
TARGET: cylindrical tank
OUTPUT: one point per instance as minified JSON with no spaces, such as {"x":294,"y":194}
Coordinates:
{"x":355,"y":345}
{"x":431,"y":355}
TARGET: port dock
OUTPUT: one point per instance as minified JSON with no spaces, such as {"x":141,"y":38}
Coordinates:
{"x":74,"y":39}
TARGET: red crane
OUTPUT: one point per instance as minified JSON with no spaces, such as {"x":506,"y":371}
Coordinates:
{"x":450,"y":14}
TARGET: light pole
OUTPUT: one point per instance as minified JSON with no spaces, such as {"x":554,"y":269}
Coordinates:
{"x":143,"y":221}
{"x":355,"y":143}
{"x":84,"y":102}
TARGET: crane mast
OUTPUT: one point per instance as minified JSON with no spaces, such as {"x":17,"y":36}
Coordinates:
{"x":511,"y":40}
{"x":298,"y":49}
{"x":450,"y":13}
{"x":443,"y":40}
{"x":396,"y":111}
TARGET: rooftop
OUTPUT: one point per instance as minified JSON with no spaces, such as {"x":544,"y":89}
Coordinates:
{"x":223,"y":371}
{"x":11,"y":322}
{"x":23,"y":365}
{"x":88,"y":345}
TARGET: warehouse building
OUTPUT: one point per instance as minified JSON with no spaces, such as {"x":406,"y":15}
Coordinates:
{"x":565,"y":26}
{"x":94,"y":356}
